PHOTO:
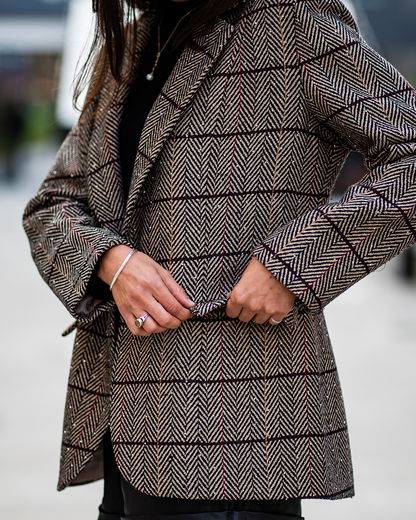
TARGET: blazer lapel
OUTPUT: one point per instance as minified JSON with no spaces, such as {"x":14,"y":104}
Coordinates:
{"x":178,"y":92}
{"x":104,"y":168}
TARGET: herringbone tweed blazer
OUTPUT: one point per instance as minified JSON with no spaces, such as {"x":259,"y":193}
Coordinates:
{"x":237,"y":158}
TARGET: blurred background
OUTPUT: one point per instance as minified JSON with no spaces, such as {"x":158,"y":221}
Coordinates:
{"x":375,"y":321}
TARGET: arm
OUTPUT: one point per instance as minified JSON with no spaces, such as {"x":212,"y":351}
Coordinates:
{"x":362,"y":99}
{"x":70,"y":250}
{"x":66,"y":241}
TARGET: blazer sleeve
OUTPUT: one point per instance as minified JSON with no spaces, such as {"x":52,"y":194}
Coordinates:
{"x":370,"y":108}
{"x":66,"y":240}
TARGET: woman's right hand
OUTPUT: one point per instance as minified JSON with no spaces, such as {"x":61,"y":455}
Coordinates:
{"x":143,"y":286}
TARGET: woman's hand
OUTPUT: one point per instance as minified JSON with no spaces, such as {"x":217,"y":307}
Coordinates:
{"x":258,"y":296}
{"x":143,"y":286}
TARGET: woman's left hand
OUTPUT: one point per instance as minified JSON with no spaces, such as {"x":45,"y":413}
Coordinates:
{"x":258,"y":296}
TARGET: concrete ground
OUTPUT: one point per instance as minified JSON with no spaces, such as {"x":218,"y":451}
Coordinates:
{"x":373,"y":328}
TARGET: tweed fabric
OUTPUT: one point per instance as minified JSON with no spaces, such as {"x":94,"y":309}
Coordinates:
{"x":237,"y":158}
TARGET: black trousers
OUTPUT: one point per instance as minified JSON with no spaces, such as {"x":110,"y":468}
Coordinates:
{"x":122,"y":501}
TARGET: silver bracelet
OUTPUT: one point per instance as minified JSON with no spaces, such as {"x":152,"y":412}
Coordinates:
{"x":122,"y":266}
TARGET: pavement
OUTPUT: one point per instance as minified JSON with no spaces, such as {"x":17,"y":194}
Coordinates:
{"x":373,"y":330}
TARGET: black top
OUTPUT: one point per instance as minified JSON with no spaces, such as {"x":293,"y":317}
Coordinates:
{"x":143,"y":93}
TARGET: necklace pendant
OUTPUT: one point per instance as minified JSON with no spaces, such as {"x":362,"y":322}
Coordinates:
{"x":150,"y":77}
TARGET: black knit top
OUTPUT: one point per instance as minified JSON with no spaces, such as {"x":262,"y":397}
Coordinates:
{"x":143,"y":93}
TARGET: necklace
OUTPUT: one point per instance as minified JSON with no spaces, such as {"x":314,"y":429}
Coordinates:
{"x":150,"y":76}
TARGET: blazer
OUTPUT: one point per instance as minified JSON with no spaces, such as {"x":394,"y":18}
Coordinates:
{"x":237,"y":159}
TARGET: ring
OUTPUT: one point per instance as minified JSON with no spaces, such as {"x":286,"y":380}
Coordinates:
{"x":275,"y":321}
{"x":139,"y":321}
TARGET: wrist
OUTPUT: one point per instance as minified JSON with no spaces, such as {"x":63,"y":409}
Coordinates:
{"x":111,"y":261}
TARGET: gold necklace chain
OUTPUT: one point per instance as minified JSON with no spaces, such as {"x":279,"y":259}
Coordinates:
{"x":150,"y":76}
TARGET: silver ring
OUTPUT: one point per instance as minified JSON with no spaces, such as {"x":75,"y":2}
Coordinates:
{"x":274,"y":321}
{"x":140,"y":320}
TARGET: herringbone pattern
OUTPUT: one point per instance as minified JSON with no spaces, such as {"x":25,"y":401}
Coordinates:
{"x":238,"y":157}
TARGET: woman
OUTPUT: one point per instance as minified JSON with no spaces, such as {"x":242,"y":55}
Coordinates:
{"x":210,"y":140}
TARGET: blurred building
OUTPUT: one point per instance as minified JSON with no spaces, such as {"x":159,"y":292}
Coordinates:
{"x":31,"y":40}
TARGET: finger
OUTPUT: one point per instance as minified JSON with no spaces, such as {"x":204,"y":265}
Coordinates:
{"x":136,"y":331}
{"x":261,"y":318}
{"x":246,"y":315}
{"x":177,"y":291}
{"x":160,"y":314}
{"x":129,"y":319}
{"x":233,"y":309}
{"x":142,"y":332}
{"x":152,"y":327}
{"x":170,"y":305}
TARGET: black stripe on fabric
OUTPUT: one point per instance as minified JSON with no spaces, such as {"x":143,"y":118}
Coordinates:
{"x":293,"y":66}
{"x":63,"y":177}
{"x":86,"y":391}
{"x":255,"y":71}
{"x":332,"y":495}
{"x":401,"y":211}
{"x":251,"y":132}
{"x":75,"y":447}
{"x":203,"y":257}
{"x":171,"y":101}
{"x":203,"y":319}
{"x":361,"y":100}
{"x":111,"y":221}
{"x":282,"y":191}
{"x":272,"y":6}
{"x":308,"y":286}
{"x":346,"y":241}
{"x":329,"y":53}
{"x":233,"y":442}
{"x":224,"y":381}
{"x":97,"y":170}
{"x":94,"y":333}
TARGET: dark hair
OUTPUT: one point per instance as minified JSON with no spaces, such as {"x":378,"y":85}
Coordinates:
{"x":116,"y":35}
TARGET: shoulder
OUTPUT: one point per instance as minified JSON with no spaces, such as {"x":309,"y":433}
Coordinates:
{"x":332,"y":13}
{"x":306,"y":12}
